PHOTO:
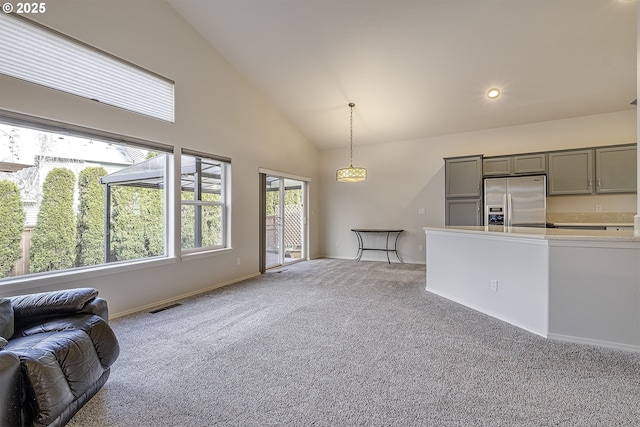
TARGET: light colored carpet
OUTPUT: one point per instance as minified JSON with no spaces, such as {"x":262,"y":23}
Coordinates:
{"x":338,"y":343}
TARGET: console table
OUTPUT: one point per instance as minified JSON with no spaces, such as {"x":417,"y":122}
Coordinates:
{"x":361,"y":248}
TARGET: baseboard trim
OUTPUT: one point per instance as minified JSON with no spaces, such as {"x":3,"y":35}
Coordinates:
{"x":393,"y":261}
{"x":598,"y":343}
{"x":180,"y":297}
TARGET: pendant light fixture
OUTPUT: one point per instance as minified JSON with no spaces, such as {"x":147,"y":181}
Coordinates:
{"x":351,"y":174}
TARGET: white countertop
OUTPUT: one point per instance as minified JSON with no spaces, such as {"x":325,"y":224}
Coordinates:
{"x":593,"y":224}
{"x":542,"y":233}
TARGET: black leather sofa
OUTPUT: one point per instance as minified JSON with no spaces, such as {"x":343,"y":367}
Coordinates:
{"x":56,"y":350}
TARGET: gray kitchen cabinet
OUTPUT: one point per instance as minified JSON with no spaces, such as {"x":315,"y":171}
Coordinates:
{"x":530,"y":163}
{"x":497,"y":166}
{"x":519,"y":164}
{"x":463,"y":176}
{"x":570,"y":172}
{"x":463,"y":212}
{"x":616,"y":169}
{"x":463,"y":190}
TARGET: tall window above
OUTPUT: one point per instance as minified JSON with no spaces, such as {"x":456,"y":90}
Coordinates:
{"x":38,"y":54}
{"x":205,"y":204}
{"x":71,"y":199}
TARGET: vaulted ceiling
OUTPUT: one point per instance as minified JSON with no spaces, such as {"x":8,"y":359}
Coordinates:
{"x":422,"y":68}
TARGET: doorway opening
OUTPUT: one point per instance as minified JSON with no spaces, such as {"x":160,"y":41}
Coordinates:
{"x":283,"y":220}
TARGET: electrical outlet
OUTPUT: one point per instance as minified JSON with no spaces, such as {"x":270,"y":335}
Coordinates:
{"x":494,"y":285}
{"x":598,"y":208}
{"x":337,"y":244}
{"x":422,"y":211}
{"x":237,"y":261}
{"x":420,"y":248}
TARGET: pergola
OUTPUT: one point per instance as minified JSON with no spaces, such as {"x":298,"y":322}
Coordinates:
{"x":12,"y":167}
{"x":196,"y":177}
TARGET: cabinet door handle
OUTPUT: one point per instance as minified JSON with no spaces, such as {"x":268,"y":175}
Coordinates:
{"x":589,"y":183}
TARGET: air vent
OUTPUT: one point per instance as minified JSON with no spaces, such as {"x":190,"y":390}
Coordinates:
{"x":158,"y":310}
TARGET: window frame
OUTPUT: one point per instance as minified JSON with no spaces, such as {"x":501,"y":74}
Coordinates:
{"x":224,"y":203}
{"x":35,"y":280}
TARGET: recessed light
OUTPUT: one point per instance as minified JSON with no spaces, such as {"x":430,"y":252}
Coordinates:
{"x":493,"y":93}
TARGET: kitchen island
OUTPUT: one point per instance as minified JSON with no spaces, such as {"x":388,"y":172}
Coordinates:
{"x":573,"y":285}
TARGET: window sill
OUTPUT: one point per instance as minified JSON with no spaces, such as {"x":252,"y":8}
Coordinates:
{"x":205,"y":254}
{"x":23,"y":283}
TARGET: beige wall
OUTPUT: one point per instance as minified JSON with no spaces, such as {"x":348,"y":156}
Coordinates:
{"x":216,"y":112}
{"x":406,"y":176}
{"x":637,"y":217}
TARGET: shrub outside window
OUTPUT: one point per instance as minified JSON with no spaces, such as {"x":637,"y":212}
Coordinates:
{"x":204,"y":202}
{"x":54,"y":183}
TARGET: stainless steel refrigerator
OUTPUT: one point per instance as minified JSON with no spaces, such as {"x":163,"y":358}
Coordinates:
{"x":519,"y":201}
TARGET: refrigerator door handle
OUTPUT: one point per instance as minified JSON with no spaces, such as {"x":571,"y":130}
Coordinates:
{"x":509,"y":210}
{"x":505,"y":206}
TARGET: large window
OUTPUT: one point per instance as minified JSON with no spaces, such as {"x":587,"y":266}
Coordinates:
{"x":205,"y":202}
{"x":72,"y":199}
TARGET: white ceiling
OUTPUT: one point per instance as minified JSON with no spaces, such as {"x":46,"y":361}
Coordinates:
{"x":421,"y":68}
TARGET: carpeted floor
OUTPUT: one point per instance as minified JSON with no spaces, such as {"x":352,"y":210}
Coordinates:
{"x":338,"y":343}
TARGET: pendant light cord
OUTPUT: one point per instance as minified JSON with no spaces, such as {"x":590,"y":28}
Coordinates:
{"x":351,"y":134}
{"x":351,"y":174}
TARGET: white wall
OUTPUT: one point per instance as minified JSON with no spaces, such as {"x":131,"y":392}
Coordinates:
{"x":463,"y":265}
{"x":594,"y":293}
{"x":216,"y":112}
{"x":408,"y":175}
{"x":637,"y":217}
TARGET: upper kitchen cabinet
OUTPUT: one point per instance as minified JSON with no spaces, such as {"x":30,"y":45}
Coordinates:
{"x":519,"y":164}
{"x":570,"y":172}
{"x":463,"y":176}
{"x":616,"y":169}
{"x":497,"y":166}
{"x":530,"y":163}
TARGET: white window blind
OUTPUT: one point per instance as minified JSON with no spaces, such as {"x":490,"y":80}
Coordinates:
{"x":40,"y":55}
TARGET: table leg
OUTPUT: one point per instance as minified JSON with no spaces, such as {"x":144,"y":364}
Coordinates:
{"x":360,"y":246}
{"x":387,"y":248}
{"x":395,"y":247}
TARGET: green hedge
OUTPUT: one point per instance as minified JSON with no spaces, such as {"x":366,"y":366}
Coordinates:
{"x":12,"y":219}
{"x":90,"y":225}
{"x":53,"y":241}
{"x":137,"y":223}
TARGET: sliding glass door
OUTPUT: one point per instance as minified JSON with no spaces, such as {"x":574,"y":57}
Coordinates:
{"x":284,"y":220}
